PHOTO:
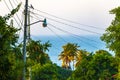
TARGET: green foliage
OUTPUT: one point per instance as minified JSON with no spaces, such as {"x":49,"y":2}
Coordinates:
{"x":18,"y":70}
{"x":18,"y":52}
{"x":112,"y":34}
{"x":36,"y":51}
{"x":7,"y":17}
{"x":6,"y":66}
{"x":80,"y":55}
{"x":98,"y":66}
{"x":81,"y":72}
{"x":45,"y":72}
{"x":8,"y":36}
{"x":7,"y":57}
{"x":63,"y":74}
{"x":49,"y":72}
{"x":9,"y":69}
{"x":106,"y":66}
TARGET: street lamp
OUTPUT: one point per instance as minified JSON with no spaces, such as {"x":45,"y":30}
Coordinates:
{"x":44,"y":22}
{"x":25,"y":38}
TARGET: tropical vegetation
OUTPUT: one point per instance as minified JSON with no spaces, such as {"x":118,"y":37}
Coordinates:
{"x":77,"y":63}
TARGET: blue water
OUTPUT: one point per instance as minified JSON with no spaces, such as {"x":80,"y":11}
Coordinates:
{"x":88,"y":42}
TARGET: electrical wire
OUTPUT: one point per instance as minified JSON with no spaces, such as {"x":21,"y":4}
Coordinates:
{"x":10,"y":10}
{"x":17,"y":1}
{"x":57,"y":34}
{"x":52,"y":32}
{"x":16,"y":13}
{"x":15,"y":19}
{"x":73,"y":35}
{"x":65,"y":24}
{"x":56,"y":48}
{"x":14,"y":2}
{"x":69,"y":24}
{"x":68,"y":20}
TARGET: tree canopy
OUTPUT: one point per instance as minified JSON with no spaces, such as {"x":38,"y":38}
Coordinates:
{"x":98,"y":66}
{"x":8,"y":40}
{"x":112,"y":36}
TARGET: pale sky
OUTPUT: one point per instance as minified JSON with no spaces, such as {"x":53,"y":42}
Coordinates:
{"x":87,"y":12}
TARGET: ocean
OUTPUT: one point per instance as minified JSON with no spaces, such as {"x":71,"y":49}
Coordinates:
{"x":88,"y":42}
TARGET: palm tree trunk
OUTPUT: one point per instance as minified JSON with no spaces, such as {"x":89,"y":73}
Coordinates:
{"x":69,"y":66}
{"x":73,"y":62}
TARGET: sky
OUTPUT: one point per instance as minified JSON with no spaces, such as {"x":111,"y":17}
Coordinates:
{"x":84,"y":18}
{"x":87,"y":12}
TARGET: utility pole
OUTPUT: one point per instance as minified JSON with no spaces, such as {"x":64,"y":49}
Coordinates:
{"x":27,"y":33}
{"x":29,"y":38}
{"x":25,"y":38}
{"x":28,"y":28}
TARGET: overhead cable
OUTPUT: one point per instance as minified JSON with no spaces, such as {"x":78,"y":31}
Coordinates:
{"x":57,"y":34}
{"x":69,"y":25}
{"x":68,"y":20}
{"x":16,"y":13}
{"x":73,"y":35}
{"x":10,"y":10}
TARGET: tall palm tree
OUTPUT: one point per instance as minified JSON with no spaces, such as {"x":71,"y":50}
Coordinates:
{"x":68,"y":54}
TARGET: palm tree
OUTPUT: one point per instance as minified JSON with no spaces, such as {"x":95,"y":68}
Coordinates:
{"x":80,"y":55}
{"x":36,"y":51}
{"x":68,"y":54}
{"x":65,"y":60}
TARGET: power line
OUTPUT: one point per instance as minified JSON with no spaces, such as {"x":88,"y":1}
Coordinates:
{"x":73,"y":35}
{"x":77,"y":35}
{"x":52,"y":40}
{"x":68,"y":33}
{"x":69,"y":20}
{"x":14,"y":2}
{"x":17,"y":1}
{"x":70,"y":25}
{"x":56,"y":48}
{"x":57,"y":34}
{"x":10,"y":10}
{"x":16,"y":13}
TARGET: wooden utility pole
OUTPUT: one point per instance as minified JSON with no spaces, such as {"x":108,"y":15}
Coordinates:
{"x":25,"y":38}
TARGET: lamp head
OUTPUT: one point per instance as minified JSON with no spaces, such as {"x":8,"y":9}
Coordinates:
{"x":44,"y":23}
